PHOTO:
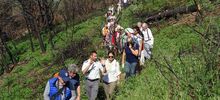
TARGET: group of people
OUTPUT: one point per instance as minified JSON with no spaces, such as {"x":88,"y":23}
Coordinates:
{"x":65,"y":85}
{"x":110,"y":72}
{"x":138,"y":43}
{"x":133,"y":44}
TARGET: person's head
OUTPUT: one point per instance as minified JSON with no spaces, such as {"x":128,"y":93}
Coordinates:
{"x":72,"y":70}
{"x":139,"y":24}
{"x":106,"y":26}
{"x":136,"y":30}
{"x":63,"y":77}
{"x":110,"y":12}
{"x":111,"y":56}
{"x":129,"y":31}
{"x":144,"y":26}
{"x":93,"y":55}
{"x":118,"y":28}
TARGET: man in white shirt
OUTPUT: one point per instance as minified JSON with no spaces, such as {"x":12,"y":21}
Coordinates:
{"x":148,"y":41}
{"x":91,"y":69}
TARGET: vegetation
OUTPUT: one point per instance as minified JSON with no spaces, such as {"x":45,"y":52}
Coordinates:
{"x":184,"y":65}
{"x":185,"y":62}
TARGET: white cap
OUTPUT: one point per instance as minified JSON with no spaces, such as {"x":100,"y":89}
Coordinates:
{"x":129,"y":30}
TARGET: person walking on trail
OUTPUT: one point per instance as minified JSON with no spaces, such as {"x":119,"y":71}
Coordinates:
{"x":56,"y":88}
{"x":105,"y":33}
{"x":139,"y":24}
{"x":111,"y":76}
{"x":125,"y":3}
{"x":130,"y":53}
{"x":119,"y":4}
{"x":74,"y":82}
{"x":148,"y":41}
{"x":91,"y":69}
{"x":112,"y":9}
{"x":107,"y":15}
{"x":138,"y":38}
{"x":118,"y":31}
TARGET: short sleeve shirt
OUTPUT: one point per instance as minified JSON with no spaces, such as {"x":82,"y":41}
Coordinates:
{"x":130,"y":57}
{"x":76,"y":80}
{"x":94,"y":69}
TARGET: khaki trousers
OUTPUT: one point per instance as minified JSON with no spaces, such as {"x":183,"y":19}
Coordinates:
{"x":109,"y":89}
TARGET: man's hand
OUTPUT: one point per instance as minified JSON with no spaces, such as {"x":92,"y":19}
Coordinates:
{"x":78,"y":98}
{"x":91,"y":62}
{"x":87,"y":68}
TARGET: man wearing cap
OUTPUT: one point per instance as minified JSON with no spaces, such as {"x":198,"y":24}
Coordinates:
{"x":74,"y":82}
{"x":91,"y":69}
{"x":56,"y":87}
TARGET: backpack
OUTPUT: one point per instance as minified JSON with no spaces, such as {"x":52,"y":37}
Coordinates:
{"x":104,"y":31}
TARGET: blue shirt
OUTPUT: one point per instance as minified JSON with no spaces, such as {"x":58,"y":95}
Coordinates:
{"x":130,"y":57}
{"x":74,"y":82}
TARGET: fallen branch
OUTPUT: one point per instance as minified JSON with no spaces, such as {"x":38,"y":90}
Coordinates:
{"x":173,"y":12}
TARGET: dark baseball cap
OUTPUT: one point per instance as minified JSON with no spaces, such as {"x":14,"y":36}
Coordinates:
{"x":64,"y":75}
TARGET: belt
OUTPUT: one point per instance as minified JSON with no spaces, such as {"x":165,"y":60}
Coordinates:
{"x":106,"y":82}
{"x":92,"y":79}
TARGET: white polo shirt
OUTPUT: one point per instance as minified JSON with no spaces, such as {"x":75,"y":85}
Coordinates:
{"x":113,"y":70}
{"x":94,"y":69}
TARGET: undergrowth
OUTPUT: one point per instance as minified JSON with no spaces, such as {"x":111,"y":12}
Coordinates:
{"x":156,"y":82}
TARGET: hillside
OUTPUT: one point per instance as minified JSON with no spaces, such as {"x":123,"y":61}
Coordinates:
{"x":179,"y":68}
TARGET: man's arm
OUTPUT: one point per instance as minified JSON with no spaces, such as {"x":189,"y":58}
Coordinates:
{"x":140,"y":47}
{"x":78,"y":93}
{"x":134,"y":51}
{"x":85,"y":68}
{"x":123,"y":59}
{"x":46,"y":91}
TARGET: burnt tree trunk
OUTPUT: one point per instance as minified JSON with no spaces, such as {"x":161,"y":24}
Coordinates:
{"x":30,"y":35}
{"x":35,"y":30}
{"x":2,"y":56}
{"x":31,"y":20}
{"x":48,"y":17}
{"x":12,"y":58}
{"x":172,"y":12}
{"x":4,"y":39}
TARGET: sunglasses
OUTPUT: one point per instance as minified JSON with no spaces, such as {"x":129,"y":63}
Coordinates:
{"x":111,"y":56}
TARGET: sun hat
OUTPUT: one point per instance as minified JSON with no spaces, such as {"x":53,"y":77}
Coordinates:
{"x":129,"y":30}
